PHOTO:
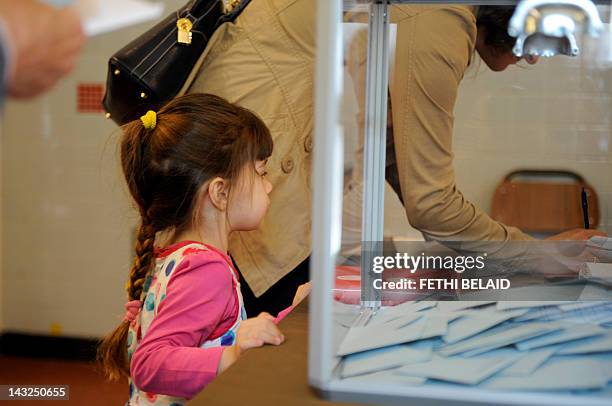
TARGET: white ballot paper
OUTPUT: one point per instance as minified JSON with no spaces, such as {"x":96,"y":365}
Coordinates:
{"x":370,"y":337}
{"x":600,"y":242}
{"x":383,"y":358}
{"x":598,"y":344}
{"x":601,"y":247}
{"x":469,"y":371}
{"x":413,"y":327}
{"x":102,"y":16}
{"x":528,"y":363}
{"x":387,"y":377}
{"x":476,"y":322}
{"x":543,"y":345}
{"x":570,"y":332}
{"x":497,"y":338}
{"x":559,"y":375}
{"x":597,"y":272}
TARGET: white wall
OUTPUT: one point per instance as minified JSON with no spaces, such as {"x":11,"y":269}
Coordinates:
{"x":66,"y":219}
{"x":554,"y":115}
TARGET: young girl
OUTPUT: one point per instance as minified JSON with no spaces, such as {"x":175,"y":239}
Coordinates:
{"x":196,"y":171}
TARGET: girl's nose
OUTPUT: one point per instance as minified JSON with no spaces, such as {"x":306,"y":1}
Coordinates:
{"x":268,"y":186}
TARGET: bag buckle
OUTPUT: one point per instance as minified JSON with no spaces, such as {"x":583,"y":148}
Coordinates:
{"x":230,"y":5}
{"x":184,"y":31}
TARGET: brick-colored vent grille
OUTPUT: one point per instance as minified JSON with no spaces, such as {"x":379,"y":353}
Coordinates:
{"x":89,"y":98}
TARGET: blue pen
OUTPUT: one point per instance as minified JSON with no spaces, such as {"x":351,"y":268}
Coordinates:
{"x":585,"y":209}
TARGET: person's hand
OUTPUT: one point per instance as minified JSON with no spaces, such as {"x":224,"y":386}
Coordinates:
{"x":45,"y":43}
{"x":252,"y":333}
{"x":302,"y":292}
{"x":578,"y":234}
{"x":257,"y":331}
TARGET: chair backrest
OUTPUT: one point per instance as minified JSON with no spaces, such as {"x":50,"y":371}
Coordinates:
{"x":545,"y":201}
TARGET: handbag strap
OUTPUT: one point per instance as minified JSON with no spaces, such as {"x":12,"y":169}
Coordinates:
{"x":232,"y":15}
{"x":186,"y":11}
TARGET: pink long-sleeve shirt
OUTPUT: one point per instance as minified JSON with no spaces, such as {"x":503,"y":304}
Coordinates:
{"x":201,"y":304}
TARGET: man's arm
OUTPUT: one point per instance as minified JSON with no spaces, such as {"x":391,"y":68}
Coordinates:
{"x":41,"y":44}
{"x":6,"y":60}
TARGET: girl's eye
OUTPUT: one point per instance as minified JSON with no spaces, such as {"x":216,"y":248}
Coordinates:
{"x":265,"y":173}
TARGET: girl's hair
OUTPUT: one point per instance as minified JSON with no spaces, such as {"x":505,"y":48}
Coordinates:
{"x":197,"y":137}
{"x":495,"y":20}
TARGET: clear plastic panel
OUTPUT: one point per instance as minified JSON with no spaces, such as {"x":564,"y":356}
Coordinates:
{"x":485,"y":155}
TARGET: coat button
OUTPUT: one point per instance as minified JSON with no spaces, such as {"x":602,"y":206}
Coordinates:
{"x":287,"y":165}
{"x":308,"y":144}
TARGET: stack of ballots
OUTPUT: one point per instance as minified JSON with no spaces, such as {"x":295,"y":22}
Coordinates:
{"x":544,"y":346}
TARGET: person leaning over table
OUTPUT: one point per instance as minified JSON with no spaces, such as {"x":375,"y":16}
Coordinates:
{"x":265,"y":62}
{"x":419,"y":163}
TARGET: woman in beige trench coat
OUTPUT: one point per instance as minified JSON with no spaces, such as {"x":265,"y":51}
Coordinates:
{"x":265,"y":62}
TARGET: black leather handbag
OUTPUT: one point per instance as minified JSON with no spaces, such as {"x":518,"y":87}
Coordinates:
{"x":152,"y":69}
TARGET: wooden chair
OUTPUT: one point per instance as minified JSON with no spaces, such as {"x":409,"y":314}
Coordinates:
{"x":544,"y":201}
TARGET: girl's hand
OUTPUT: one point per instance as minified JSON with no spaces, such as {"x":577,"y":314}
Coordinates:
{"x":253,"y":332}
{"x":257,"y":331}
{"x":302,"y":292}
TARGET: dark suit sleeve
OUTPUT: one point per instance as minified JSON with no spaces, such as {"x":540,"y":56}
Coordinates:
{"x":5,"y":60}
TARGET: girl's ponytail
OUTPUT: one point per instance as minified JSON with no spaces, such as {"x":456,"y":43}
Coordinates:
{"x":143,"y":260}
{"x":112,"y":352}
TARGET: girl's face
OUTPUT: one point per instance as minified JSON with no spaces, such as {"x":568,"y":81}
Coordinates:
{"x":249,"y":199}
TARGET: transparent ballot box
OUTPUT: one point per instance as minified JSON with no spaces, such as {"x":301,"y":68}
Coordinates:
{"x":462,"y":198}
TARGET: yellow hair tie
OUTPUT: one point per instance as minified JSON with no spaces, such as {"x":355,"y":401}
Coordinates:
{"x":149,"y":120}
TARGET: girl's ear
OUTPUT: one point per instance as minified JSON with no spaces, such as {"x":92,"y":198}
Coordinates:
{"x":218,"y":192}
